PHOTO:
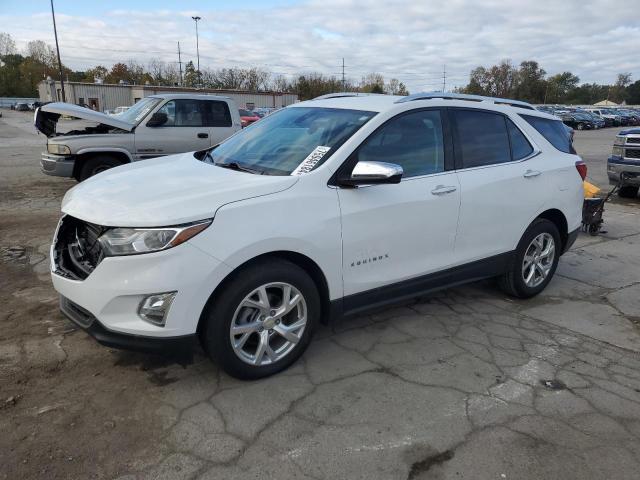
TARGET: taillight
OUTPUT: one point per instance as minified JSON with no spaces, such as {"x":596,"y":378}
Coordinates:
{"x":582,"y":169}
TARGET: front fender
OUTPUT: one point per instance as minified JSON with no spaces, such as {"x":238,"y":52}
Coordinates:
{"x":105,"y":150}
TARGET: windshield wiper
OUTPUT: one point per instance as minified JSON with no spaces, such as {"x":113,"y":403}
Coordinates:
{"x":240,"y":168}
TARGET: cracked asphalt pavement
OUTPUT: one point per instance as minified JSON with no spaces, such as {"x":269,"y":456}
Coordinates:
{"x":464,"y":383}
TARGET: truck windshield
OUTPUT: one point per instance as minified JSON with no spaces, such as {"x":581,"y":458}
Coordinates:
{"x":292,"y":141}
{"x":139,"y":110}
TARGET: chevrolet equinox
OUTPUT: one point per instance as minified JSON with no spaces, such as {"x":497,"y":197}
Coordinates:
{"x":323,"y":209}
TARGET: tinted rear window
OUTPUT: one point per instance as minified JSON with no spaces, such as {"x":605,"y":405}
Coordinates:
{"x":553,"y":130}
{"x":520,"y":146}
{"x":483,"y":138}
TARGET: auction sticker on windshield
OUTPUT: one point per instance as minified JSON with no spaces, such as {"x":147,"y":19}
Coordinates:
{"x":311,"y":161}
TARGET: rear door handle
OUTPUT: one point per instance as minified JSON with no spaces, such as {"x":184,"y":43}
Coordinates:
{"x":531,"y":173}
{"x":443,"y":189}
{"x":203,"y":135}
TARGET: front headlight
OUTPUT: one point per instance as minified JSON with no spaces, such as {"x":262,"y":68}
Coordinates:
{"x":617,"y":152}
{"x":130,"y":241}
{"x":58,"y":149}
{"x":619,"y":140}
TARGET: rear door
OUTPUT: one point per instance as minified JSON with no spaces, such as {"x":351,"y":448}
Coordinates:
{"x":502,"y":182}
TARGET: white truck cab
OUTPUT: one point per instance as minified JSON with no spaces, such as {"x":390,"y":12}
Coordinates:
{"x":155,"y":126}
{"x":323,"y":209}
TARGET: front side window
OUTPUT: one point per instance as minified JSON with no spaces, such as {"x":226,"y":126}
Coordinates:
{"x":414,"y":141}
{"x":553,"y":131}
{"x":196,"y":113}
{"x":293,"y":140}
{"x":482,"y":138}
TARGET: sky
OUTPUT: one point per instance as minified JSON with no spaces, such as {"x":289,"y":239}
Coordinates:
{"x":412,"y":40}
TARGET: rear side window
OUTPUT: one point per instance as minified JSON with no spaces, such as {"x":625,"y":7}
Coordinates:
{"x":553,"y":131}
{"x":520,"y":146}
{"x":217,"y":114}
{"x":482,"y":138}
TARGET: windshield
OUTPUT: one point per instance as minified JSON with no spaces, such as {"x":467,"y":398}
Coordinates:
{"x":292,"y":141}
{"x":138,"y":111}
{"x":246,"y":113}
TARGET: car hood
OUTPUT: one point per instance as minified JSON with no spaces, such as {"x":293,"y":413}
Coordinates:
{"x":46,"y":117}
{"x":167,"y":191}
{"x":629,"y":131}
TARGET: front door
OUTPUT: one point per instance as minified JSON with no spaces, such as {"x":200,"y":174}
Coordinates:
{"x":187,"y":129}
{"x":394,"y":233}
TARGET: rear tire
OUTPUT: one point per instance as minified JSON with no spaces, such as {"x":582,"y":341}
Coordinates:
{"x":94,"y":165}
{"x":628,"y":191}
{"x":541,"y":245}
{"x":267,"y":341}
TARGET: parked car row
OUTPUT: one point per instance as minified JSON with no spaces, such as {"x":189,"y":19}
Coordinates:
{"x":591,"y":118}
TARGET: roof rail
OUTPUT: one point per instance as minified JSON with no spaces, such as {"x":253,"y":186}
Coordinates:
{"x":344,"y":94}
{"x":462,"y":96}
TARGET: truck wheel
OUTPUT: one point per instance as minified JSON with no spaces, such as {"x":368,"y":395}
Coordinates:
{"x":262,"y":320}
{"x":94,"y":165}
{"x":628,"y":191}
{"x":535,"y":260}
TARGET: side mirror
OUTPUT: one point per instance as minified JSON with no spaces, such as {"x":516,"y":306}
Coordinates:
{"x":157,"y":119}
{"x":373,"y":173}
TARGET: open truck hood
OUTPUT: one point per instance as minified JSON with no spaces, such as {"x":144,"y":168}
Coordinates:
{"x":46,"y":117}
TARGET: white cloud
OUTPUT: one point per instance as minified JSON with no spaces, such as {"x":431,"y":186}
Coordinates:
{"x":407,"y":39}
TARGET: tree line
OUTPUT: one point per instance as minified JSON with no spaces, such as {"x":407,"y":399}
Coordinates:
{"x":529,"y":82}
{"x":20,"y":73}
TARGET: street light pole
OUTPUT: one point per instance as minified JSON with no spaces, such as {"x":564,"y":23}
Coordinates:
{"x":197,"y":51}
{"x":55,"y":33}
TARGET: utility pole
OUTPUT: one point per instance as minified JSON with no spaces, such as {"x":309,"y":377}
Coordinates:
{"x":343,"y":81}
{"x":196,"y":19}
{"x":55,"y":33}
{"x":180,"y":63}
{"x":444,"y":77}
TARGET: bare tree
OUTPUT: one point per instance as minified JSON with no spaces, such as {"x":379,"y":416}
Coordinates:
{"x":41,"y":52}
{"x":7,"y":45}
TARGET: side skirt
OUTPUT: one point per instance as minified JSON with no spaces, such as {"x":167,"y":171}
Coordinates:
{"x":415,"y":287}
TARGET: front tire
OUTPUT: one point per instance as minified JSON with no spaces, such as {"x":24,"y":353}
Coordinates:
{"x":94,"y":165}
{"x":535,"y":260}
{"x":262,"y":320}
{"x":628,"y":191}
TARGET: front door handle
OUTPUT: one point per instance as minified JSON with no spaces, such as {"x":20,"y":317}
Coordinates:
{"x":443,"y":189}
{"x":203,"y":135}
{"x":531,"y":173}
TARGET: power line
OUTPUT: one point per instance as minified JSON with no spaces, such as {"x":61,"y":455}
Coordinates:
{"x":180,"y":63}
{"x":444,"y":77}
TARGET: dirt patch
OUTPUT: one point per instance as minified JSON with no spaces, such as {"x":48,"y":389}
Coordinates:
{"x":69,"y":408}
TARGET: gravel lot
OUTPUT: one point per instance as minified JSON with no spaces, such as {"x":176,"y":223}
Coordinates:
{"x":466,"y":383}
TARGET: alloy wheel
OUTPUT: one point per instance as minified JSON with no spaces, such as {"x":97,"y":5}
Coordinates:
{"x":268,"y":323}
{"x":538,"y":260}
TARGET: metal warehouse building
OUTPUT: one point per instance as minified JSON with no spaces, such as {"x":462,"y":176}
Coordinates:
{"x":102,"y":96}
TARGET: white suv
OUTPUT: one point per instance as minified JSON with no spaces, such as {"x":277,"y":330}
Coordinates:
{"x":320,"y":210}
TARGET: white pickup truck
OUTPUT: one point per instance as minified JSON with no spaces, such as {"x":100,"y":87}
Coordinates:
{"x":154,"y":127}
